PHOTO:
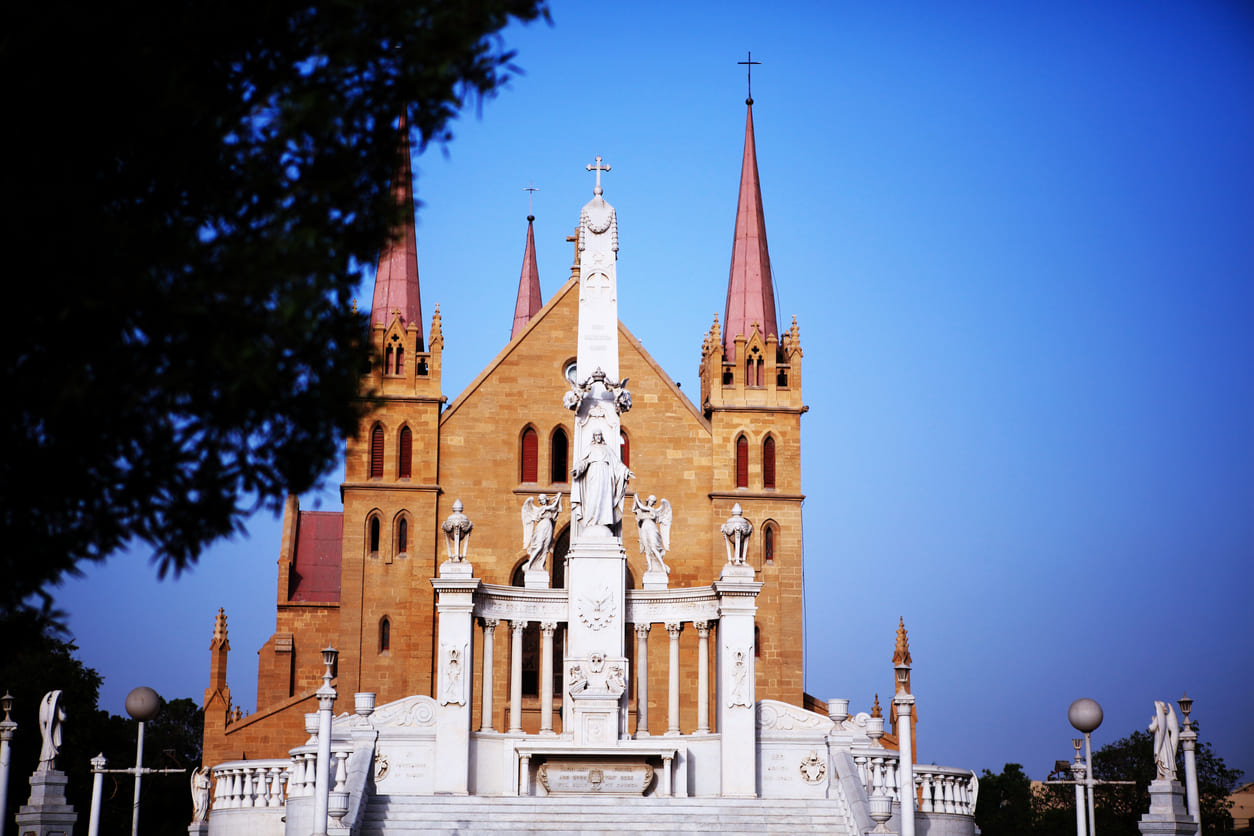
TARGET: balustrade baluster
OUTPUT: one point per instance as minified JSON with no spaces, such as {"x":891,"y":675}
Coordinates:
{"x":925,"y":781}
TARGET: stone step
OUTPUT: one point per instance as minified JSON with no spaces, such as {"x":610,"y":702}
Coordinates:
{"x":559,"y":816}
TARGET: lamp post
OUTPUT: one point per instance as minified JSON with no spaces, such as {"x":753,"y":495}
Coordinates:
{"x":143,"y":704}
{"x":1188,"y":739}
{"x":1085,"y":716}
{"x":1077,"y":774}
{"x":7,"y":728}
{"x":326,"y":703}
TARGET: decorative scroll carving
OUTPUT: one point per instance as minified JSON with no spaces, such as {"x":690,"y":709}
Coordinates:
{"x":416,"y":711}
{"x":776,"y":716}
{"x":381,"y":765}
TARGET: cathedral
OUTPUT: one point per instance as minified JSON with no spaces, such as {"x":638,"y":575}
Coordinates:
{"x":571,"y":570}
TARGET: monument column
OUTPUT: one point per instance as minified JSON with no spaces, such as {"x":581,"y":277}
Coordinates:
{"x":703,"y":676}
{"x":642,"y":680}
{"x":489,"y":634}
{"x":737,"y":604}
{"x":672,"y":701}
{"x":547,"y":629}
{"x":455,"y":593}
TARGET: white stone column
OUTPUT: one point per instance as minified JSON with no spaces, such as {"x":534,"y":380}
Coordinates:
{"x":642,"y":680}
{"x":1077,"y":774}
{"x":515,"y":676}
{"x":672,"y":701}
{"x":7,"y":730}
{"x":547,"y":628}
{"x":455,"y":592}
{"x":703,"y":676}
{"x":1188,"y":739}
{"x":322,"y":771}
{"x":489,"y":636}
{"x":905,"y":765}
{"x":735,"y":692}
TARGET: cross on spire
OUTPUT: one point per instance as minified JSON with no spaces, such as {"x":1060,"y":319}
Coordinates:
{"x":598,"y":168}
{"x":749,"y":65}
{"x":531,"y":189}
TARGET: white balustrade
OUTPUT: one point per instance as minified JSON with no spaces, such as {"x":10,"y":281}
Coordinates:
{"x":944,"y":789}
{"x":250,"y":784}
{"x":877,"y":770}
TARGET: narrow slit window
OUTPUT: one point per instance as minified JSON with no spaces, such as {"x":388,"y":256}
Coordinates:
{"x":768,"y":463}
{"x":558,"y":460}
{"x":376,"y":452}
{"x":742,"y":462}
{"x":405,"y":454}
{"x":530,"y":456}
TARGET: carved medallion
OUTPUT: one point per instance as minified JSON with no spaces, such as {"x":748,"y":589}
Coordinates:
{"x":597,"y":610}
{"x":813,"y":768}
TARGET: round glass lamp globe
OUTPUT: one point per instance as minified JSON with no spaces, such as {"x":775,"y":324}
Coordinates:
{"x":1085,"y":715}
{"x":143,"y":703}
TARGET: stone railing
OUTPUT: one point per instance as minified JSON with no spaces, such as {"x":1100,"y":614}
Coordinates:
{"x":250,"y":784}
{"x":945,"y":789}
{"x":877,"y":771}
{"x":304,"y":768}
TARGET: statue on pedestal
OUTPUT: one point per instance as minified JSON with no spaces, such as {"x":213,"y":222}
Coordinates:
{"x":200,"y":794}
{"x":654,"y":520}
{"x":51,"y":716}
{"x":539,"y":518}
{"x":736,"y":533}
{"x":1166,"y":731}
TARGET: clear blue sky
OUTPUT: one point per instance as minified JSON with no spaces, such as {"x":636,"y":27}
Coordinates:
{"x":1019,"y":241}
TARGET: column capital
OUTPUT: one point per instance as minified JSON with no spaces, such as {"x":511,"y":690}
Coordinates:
{"x":673,"y":628}
{"x":642,"y":629}
{"x":548,"y":628}
{"x":518,"y":626}
{"x":703,"y":628}
{"x":489,"y":623}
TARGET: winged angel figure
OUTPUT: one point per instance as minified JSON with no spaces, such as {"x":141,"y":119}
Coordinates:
{"x":654,"y":520}
{"x":538,"y":520}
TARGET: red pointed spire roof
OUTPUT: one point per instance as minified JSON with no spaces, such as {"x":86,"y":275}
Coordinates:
{"x":396,"y":281}
{"x":529,"y":299}
{"x":750,"y":294}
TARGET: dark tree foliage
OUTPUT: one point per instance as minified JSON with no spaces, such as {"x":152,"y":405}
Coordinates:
{"x":37,"y":660}
{"x":1004,"y":807}
{"x":190,"y":190}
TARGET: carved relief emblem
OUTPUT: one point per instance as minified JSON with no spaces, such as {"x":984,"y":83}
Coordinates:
{"x":740,"y":677}
{"x":597,"y":610}
{"x":381,"y":766}
{"x":454,"y":685}
{"x":813,"y":769}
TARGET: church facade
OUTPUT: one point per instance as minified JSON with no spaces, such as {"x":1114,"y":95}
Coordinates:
{"x":570,"y":571}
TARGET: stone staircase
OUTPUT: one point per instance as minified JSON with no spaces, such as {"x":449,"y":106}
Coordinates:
{"x":565,"y":816}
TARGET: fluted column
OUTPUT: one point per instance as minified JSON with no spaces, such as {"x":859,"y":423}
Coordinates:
{"x":547,"y":628}
{"x":515,"y":675}
{"x":642,"y":680}
{"x":672,"y":703}
{"x":703,"y":676}
{"x":489,"y":634}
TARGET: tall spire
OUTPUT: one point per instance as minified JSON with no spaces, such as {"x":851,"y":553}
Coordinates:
{"x":529,"y":299}
{"x":396,"y":282}
{"x":750,"y":296}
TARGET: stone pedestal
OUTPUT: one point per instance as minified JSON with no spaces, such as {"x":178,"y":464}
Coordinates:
{"x":654,"y":579}
{"x":455,"y":591}
{"x":1167,"y":813}
{"x":737,"y":594}
{"x":47,"y":813}
{"x":198,"y":828}
{"x":536,"y":579}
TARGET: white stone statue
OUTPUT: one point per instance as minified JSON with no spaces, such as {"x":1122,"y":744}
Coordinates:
{"x":539,"y":518}
{"x":654,"y":520}
{"x":736,"y":532}
{"x":457,"y":530}
{"x":51,"y":716}
{"x":600,"y":486}
{"x":1166,"y":731}
{"x":200,"y":794}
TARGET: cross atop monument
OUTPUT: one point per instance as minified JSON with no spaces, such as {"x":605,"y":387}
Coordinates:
{"x":531,"y":189}
{"x":598,"y":168}
{"x":749,"y":65}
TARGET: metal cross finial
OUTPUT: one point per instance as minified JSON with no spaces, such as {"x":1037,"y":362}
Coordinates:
{"x":598,"y":168}
{"x":749,"y":65}
{"x":531,"y":188}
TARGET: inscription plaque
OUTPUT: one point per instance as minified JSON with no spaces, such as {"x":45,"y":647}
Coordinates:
{"x":562,"y":777}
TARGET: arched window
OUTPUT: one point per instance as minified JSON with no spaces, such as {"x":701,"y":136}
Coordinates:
{"x":385,"y":635}
{"x":376,"y":452}
{"x":559,"y":468}
{"x":530,"y":456}
{"x":753,"y":369}
{"x":374,"y":536}
{"x":768,"y":542}
{"x":757,"y":641}
{"x":400,"y":360}
{"x":405,"y":454}
{"x":387,"y":360}
{"x":402,"y":536}
{"x":625,"y":448}
{"x":768,"y":463}
{"x":742,"y":462}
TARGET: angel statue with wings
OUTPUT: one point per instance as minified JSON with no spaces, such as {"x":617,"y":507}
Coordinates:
{"x":654,"y":520}
{"x":539,"y":519}
{"x":1166,"y":729}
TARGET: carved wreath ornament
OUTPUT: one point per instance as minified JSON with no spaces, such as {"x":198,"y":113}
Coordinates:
{"x":597,"y":610}
{"x":813,"y":769}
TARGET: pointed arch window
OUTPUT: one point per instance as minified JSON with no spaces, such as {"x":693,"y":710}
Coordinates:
{"x":753,"y":369}
{"x":530,"y":459}
{"x":559,"y":467}
{"x":385,"y":635}
{"x":402,"y":536}
{"x":376,"y":452}
{"x":768,"y":462}
{"x":768,"y":543}
{"x":742,"y":462}
{"x":374,"y":536}
{"x":405,"y":454}
{"x":624,"y":446}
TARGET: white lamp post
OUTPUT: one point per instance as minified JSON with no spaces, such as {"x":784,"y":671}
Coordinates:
{"x":1085,"y":716}
{"x":7,"y":728}
{"x":142,"y":704}
{"x":322,"y":786}
{"x":1188,"y":739}
{"x":904,"y":703}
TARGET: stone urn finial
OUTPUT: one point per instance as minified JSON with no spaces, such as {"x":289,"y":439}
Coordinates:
{"x":457,"y":530}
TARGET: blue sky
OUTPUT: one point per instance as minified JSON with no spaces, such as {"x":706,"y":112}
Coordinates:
{"x":1019,"y":243}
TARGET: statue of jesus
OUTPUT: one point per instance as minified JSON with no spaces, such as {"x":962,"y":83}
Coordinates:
{"x":600,"y":485}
